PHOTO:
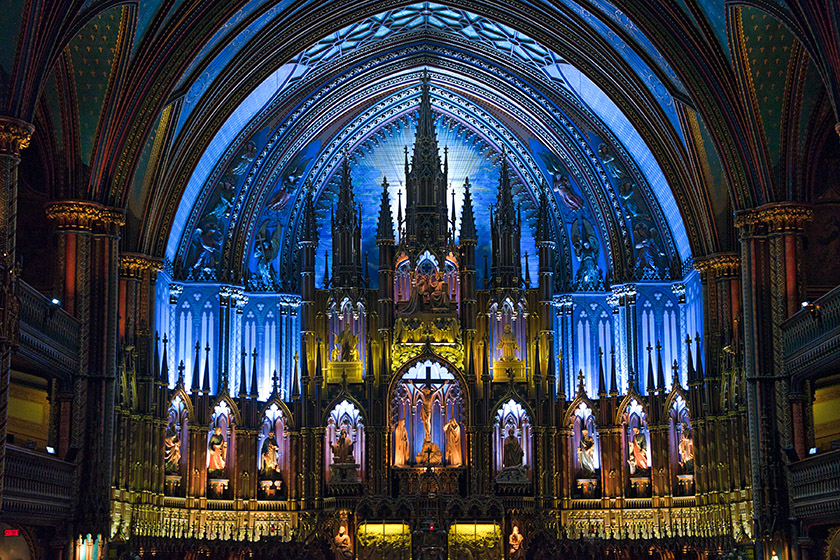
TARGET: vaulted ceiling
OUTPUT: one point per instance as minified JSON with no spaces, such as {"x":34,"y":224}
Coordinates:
{"x":685,"y":111}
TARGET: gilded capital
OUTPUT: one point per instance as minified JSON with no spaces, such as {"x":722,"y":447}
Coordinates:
{"x":133,"y":265}
{"x":719,"y":265}
{"x":783,"y":217}
{"x":14,"y":136}
{"x":85,"y":216}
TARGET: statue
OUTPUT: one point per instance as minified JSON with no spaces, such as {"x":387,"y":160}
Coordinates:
{"x":243,"y":159}
{"x":265,"y":251}
{"x":585,"y":244}
{"x":345,"y":347}
{"x":269,"y":453}
{"x":453,"y":443}
{"x":342,"y":549}
{"x":343,"y":449}
{"x":563,"y":187}
{"x":172,"y":448}
{"x":649,"y":257}
{"x":438,"y":291}
{"x":515,"y":542}
{"x":586,"y":454}
{"x":401,"y":445}
{"x":638,"y":452}
{"x":217,"y":448}
{"x":430,"y":452}
{"x":206,"y":239}
{"x":686,"y":449}
{"x":609,"y":162}
{"x":513,"y":453}
{"x":507,"y":344}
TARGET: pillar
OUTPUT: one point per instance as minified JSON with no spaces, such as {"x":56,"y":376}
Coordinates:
{"x":772,"y":289}
{"x":14,"y":136}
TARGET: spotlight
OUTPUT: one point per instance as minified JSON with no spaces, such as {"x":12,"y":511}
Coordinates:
{"x":50,"y":450}
{"x":55,"y":301}
{"x":812,"y":451}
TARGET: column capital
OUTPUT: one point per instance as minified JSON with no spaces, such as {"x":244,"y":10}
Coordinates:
{"x":133,"y":265}
{"x":85,"y":216}
{"x":719,"y":265}
{"x":14,"y":135}
{"x":782,"y":217}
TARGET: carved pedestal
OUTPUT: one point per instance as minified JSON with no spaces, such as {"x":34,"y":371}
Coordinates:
{"x":271,"y":489}
{"x":513,"y":480}
{"x":344,"y":479}
{"x":336,"y":372}
{"x":504,"y":371}
{"x":217,"y":488}
{"x":639,"y":487}
{"x":587,"y":488}
{"x":172,"y":485}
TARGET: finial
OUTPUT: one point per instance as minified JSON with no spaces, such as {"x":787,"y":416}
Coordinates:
{"x":581,"y":385}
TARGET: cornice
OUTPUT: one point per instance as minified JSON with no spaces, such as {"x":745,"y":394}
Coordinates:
{"x":719,"y":265}
{"x":133,"y":265}
{"x":783,"y":217}
{"x":85,"y":216}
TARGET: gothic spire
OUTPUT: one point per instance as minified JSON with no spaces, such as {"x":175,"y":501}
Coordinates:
{"x":196,"y":368}
{"x":690,"y":360}
{"x":205,"y":386}
{"x":295,"y":383}
{"x":699,"y":372}
{"x":468,"y":232}
{"x":613,"y":377}
{"x":543,"y":218}
{"x":649,"y":387}
{"x":660,"y":371}
{"x":308,"y":231}
{"x":602,"y":379}
{"x":252,"y":392}
{"x":243,"y":376}
{"x":385,"y":227}
{"x":426,"y":121}
{"x":156,"y":363}
{"x":164,"y":369}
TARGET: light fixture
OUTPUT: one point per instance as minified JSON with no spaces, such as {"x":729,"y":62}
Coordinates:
{"x":50,"y":450}
{"x":812,"y":451}
{"x":55,"y":301}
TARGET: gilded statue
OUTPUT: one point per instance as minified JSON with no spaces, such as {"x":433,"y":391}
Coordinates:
{"x":453,"y":442}
{"x":343,"y":449}
{"x":507,"y":344}
{"x":172,"y":448}
{"x":513,"y":453}
{"x":638,"y":460}
{"x":586,"y":454}
{"x":401,"y":444}
{"x":269,"y":454}
{"x":686,"y":449}
{"x":345,"y":346}
{"x":217,"y":449}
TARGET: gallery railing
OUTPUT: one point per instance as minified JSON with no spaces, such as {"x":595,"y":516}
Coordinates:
{"x":49,"y":336}
{"x":37,"y":485}
{"x":811,"y":337}
{"x":815,"y":486}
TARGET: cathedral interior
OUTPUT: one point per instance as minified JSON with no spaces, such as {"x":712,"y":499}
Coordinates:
{"x":482,"y":279}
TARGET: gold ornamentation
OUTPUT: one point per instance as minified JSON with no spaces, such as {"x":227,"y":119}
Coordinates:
{"x":133,"y":265}
{"x":14,"y":135}
{"x":85,"y":216}
{"x":720,"y":265}
{"x":781,"y":217}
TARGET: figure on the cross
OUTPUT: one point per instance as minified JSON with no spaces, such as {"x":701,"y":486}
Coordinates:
{"x":427,"y":395}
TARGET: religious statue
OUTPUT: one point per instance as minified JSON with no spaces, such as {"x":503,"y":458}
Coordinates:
{"x":513,"y":453}
{"x":217,"y":449}
{"x":265,"y":251}
{"x":453,"y":442}
{"x":245,"y":157}
{"x":638,"y":452}
{"x":586,"y":454}
{"x":609,"y":162}
{"x":515,"y":542}
{"x":343,"y":449}
{"x":686,"y":449}
{"x":507,"y":344}
{"x":172,"y":448}
{"x":269,"y":455}
{"x":439,"y":293}
{"x":430,"y":452}
{"x":563,"y":187}
{"x":345,"y":347}
{"x":342,"y":549}
{"x":401,"y":445}
{"x":206,"y":239}
{"x":585,"y":244}
{"x":649,"y":258}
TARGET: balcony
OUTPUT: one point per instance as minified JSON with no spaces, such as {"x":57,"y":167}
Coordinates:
{"x":811,"y":337}
{"x":38,"y":487}
{"x":815,"y":487}
{"x":49,"y":336}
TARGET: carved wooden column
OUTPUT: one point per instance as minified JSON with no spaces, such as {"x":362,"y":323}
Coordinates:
{"x":771,"y":250}
{"x":88,"y":235}
{"x":14,"y":136}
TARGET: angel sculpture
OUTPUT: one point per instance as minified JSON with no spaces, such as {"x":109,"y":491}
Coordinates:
{"x":609,"y":162}
{"x":292,"y":176}
{"x":585,"y":244}
{"x":265,"y":251}
{"x":649,"y":257}
{"x":244,"y":159}
{"x":227,"y":188}
{"x":563,"y":187}
{"x":206,"y":238}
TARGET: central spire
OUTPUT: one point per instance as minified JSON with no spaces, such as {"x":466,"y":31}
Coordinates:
{"x":426,"y":220}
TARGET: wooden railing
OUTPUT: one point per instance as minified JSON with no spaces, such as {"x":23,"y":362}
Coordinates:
{"x":815,"y":486}
{"x":811,"y":337}
{"x":49,"y":336}
{"x":37,"y":485}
